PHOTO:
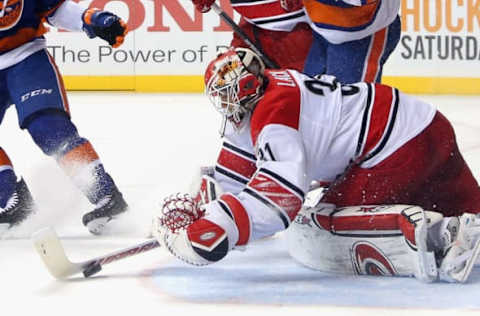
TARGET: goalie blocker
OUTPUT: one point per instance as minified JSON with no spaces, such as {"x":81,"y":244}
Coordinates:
{"x":389,"y":240}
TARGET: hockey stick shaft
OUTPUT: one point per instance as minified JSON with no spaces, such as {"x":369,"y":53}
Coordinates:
{"x":90,"y":267}
{"x":268,"y":62}
{"x":53,"y":255}
{"x":127,"y":252}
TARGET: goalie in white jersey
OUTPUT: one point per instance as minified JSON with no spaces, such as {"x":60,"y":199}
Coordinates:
{"x":401,"y":200}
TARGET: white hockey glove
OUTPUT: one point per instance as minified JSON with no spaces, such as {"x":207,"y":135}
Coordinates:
{"x":462,"y":248}
{"x":205,"y":188}
{"x":182,"y":229}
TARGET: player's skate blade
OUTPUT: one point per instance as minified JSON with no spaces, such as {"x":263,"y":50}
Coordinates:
{"x":107,"y":209}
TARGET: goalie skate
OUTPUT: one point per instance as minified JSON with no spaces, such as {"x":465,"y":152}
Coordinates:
{"x":462,"y":248}
{"x":19,"y":207}
{"x":107,"y":209}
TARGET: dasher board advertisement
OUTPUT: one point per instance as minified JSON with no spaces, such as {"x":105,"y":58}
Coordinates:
{"x":170,"y":45}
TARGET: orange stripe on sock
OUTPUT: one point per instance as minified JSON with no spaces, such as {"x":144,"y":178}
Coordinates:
{"x":4,"y":160}
{"x":83,"y":154}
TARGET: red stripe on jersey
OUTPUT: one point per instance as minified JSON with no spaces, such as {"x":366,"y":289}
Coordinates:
{"x":279,"y":105}
{"x":241,"y":217}
{"x":379,"y":116}
{"x":259,"y":10}
{"x":283,"y":197}
{"x":373,"y":58}
{"x":236,"y":163}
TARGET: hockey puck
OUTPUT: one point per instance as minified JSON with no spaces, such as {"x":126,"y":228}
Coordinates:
{"x":92,"y":269}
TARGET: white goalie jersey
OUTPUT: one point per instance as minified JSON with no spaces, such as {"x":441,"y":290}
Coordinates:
{"x":306,"y":129}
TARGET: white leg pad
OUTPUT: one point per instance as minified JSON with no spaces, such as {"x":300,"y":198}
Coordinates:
{"x":374,"y":240}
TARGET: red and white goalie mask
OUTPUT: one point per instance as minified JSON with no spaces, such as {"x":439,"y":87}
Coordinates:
{"x":234,"y":84}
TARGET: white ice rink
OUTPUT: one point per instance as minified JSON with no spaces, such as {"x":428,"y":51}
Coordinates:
{"x":151,"y":144}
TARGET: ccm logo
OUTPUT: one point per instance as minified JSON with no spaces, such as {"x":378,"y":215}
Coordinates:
{"x":34,"y":93}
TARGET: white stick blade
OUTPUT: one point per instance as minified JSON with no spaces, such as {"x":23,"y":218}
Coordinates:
{"x":51,"y":251}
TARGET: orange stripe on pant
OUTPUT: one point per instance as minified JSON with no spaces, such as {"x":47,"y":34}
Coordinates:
{"x":372,"y":62}
{"x":61,"y":85}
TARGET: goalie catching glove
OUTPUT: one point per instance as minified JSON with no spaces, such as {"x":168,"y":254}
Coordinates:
{"x":195,"y":229}
{"x":185,"y":230}
{"x":105,"y":25}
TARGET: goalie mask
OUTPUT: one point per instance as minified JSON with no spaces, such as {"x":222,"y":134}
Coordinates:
{"x":234,"y":84}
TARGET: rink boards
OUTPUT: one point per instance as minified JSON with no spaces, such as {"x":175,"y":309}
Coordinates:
{"x":170,"y":45}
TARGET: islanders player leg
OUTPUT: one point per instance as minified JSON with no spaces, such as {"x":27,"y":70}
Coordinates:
{"x":316,"y":61}
{"x":16,"y":202}
{"x":37,"y":89}
{"x":363,"y":59}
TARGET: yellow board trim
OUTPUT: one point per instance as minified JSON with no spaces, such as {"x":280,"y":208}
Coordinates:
{"x":435,"y":85}
{"x":136,"y":83}
{"x":194,"y":84}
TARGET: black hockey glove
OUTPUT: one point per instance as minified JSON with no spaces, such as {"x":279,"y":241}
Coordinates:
{"x":105,"y":25}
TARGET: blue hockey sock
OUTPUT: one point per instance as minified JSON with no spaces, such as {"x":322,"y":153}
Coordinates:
{"x":8,"y":181}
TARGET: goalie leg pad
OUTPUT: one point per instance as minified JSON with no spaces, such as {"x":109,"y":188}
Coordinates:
{"x":375,"y":240}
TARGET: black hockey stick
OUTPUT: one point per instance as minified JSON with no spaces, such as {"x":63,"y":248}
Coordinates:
{"x":51,"y":251}
{"x":268,"y":62}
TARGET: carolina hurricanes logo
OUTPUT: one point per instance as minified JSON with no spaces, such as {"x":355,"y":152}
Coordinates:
{"x":10,"y":13}
{"x":368,"y":259}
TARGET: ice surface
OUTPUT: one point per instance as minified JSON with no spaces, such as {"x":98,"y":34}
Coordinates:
{"x":152,"y":144}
